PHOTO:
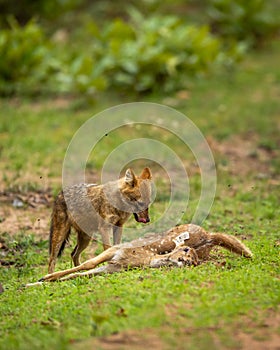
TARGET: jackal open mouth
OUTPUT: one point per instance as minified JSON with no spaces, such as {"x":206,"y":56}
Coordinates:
{"x":138,"y":218}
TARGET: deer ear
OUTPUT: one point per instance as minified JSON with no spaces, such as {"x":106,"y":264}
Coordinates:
{"x":130,"y":177}
{"x":146,"y":174}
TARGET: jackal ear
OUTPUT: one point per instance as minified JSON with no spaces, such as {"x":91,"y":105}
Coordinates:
{"x":146,"y":174}
{"x":130,"y":177}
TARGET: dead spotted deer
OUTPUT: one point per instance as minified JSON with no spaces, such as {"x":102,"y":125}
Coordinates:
{"x":182,"y":245}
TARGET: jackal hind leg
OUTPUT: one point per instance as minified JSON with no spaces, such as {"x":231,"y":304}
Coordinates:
{"x":82,"y":242}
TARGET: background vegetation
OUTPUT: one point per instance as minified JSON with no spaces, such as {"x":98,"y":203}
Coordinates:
{"x":143,"y":48}
{"x":217,"y":61}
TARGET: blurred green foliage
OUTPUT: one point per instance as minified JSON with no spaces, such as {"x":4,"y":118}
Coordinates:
{"x":146,"y":54}
{"x":24,"y":10}
{"x":132,"y":52}
{"x":253,"y":21}
{"x":23,"y":52}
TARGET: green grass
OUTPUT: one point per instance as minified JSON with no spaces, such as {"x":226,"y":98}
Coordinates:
{"x":170,"y":301}
{"x":55,"y":314}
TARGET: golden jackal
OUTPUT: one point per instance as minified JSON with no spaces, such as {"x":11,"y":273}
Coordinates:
{"x":104,"y":208}
{"x":180,"y":246}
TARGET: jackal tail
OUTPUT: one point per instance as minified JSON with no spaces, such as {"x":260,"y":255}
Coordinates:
{"x":60,"y":227}
{"x":231,"y":243}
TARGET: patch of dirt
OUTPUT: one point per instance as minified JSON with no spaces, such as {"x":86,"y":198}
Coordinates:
{"x":244,"y":155}
{"x":244,"y":335}
{"x":33,"y":199}
{"x":262,"y":335}
{"x":29,"y":212}
{"x":127,"y":340}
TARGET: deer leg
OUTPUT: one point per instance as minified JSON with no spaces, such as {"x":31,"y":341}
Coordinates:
{"x":87,"y":265}
{"x":110,"y":268}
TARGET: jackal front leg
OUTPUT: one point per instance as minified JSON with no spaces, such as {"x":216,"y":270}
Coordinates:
{"x":106,"y":231}
{"x":117,"y":234}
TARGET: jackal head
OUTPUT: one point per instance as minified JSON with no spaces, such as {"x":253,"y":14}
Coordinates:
{"x":137,"y":191}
